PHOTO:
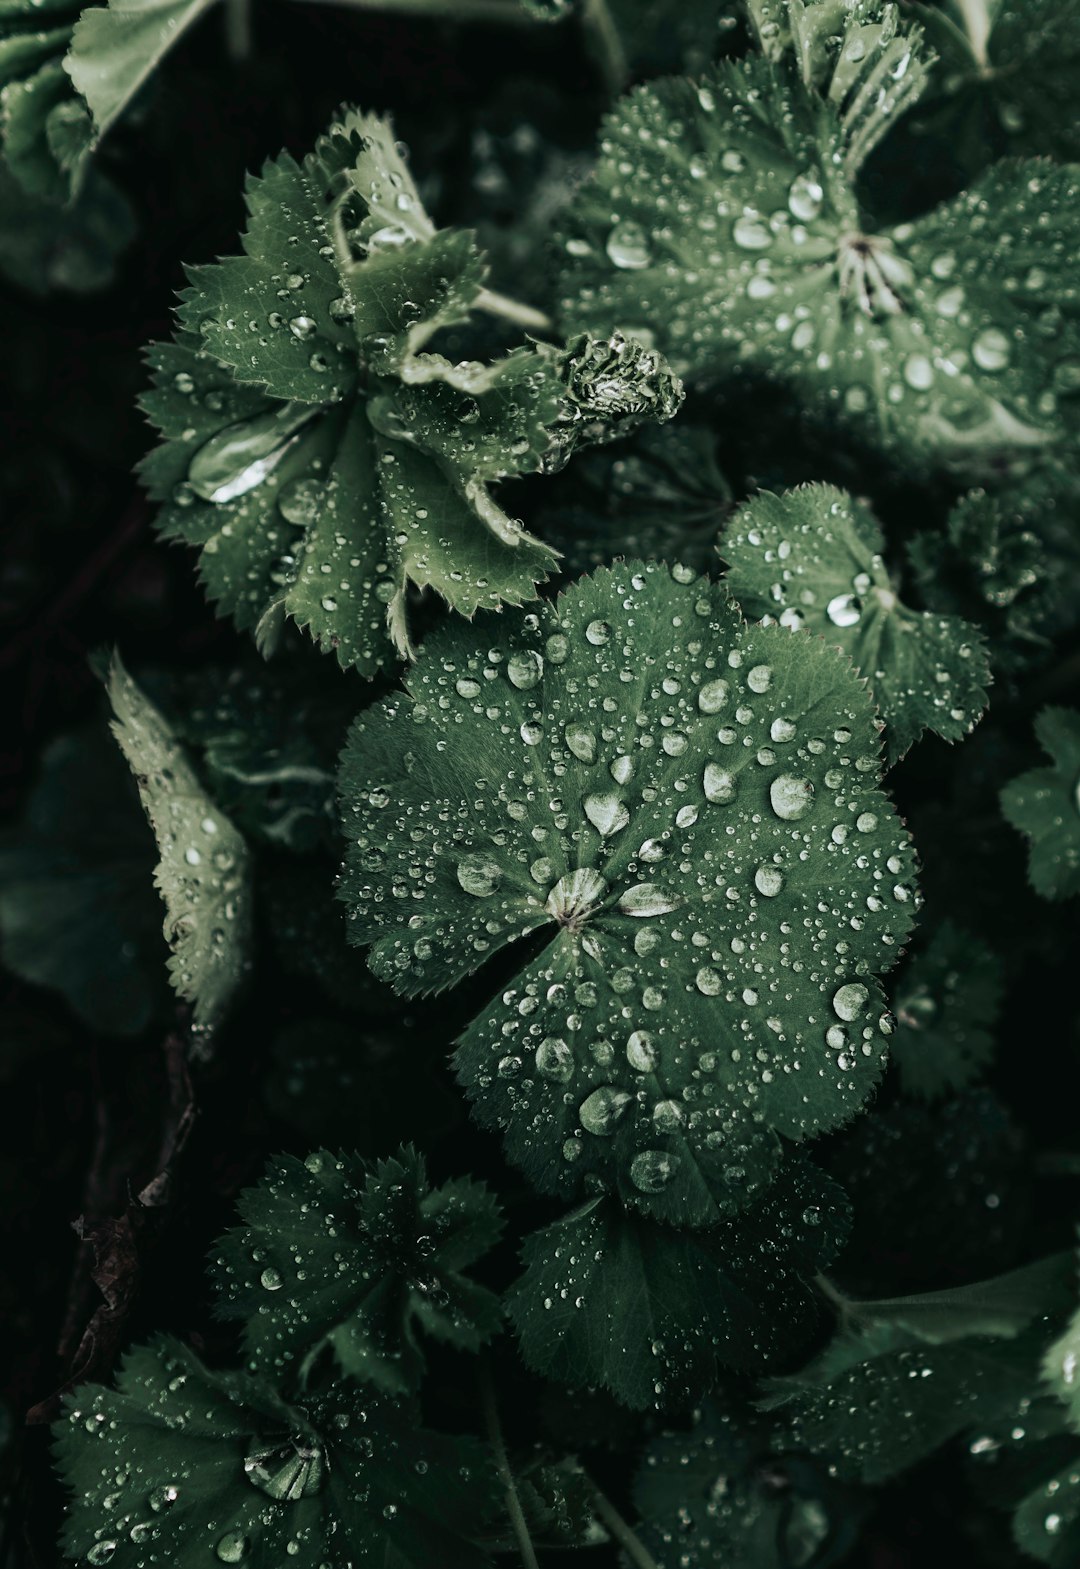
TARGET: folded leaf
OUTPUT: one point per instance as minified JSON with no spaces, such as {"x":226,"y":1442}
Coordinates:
{"x":1044,"y":805}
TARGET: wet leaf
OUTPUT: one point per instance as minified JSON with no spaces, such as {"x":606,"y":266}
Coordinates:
{"x":340,"y":1256}
{"x":812,"y":559}
{"x":209,"y":1467}
{"x":681,"y":814}
{"x":203,"y":871}
{"x":1044,"y":805}
{"x":116,"y":47}
{"x":946,"y":1003}
{"x":724,"y":219}
{"x":320,"y":457}
{"x":613,"y":1300}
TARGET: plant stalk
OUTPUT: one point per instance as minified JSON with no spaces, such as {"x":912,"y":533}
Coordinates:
{"x":526,"y":316}
{"x":628,"y":1540}
{"x":238,"y":28}
{"x":606,"y":45}
{"x":506,"y":1476}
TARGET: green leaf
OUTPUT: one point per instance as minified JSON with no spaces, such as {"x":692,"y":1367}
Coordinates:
{"x":1044,"y":805}
{"x":196,"y":1465}
{"x":320,"y":457}
{"x":723,"y":218}
{"x":1009,"y":560}
{"x":36,"y":98}
{"x":610,"y":386}
{"x":684,"y":813}
{"x":904,"y":1376}
{"x":1047,"y":1523}
{"x":341,"y":1256}
{"x":650,"y":1313}
{"x":812,"y":558}
{"x":946,"y":1004}
{"x":203,"y":868}
{"x":71,"y":249}
{"x":115,"y":48}
{"x":714,"y":1498}
{"x":78,"y":910}
{"x":1011,"y":67}
{"x":1061,"y":1369}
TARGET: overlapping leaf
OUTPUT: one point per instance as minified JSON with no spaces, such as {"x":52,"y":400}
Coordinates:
{"x":724,"y":218}
{"x":203,"y":869}
{"x":1045,"y":806}
{"x":613,"y":1300}
{"x":340,"y":1256}
{"x":116,"y":47}
{"x":946,"y":1004}
{"x":812,"y":558}
{"x":681,"y":814}
{"x":904,"y":1376}
{"x":318,"y":455}
{"x":78,"y":911}
{"x":193,"y":1465}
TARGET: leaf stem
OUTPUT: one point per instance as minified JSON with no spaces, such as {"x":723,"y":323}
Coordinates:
{"x":606,"y":45}
{"x":521,"y":315}
{"x":506,"y":1476}
{"x":628,"y":1540}
{"x":238,"y":28}
{"x":977,"y":26}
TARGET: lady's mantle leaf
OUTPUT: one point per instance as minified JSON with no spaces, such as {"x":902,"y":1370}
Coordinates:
{"x":714,"y":1498}
{"x":1045,"y":806}
{"x":904,"y":1376}
{"x":316,"y":453}
{"x":189,"y":1466}
{"x":203,"y":871}
{"x":946,"y":1004}
{"x":608,"y":1298}
{"x":78,"y":910}
{"x":812,"y":558}
{"x":335,"y":1254}
{"x":684,"y":812}
{"x":115,"y":48}
{"x":45,"y":131}
{"x":723,"y":217}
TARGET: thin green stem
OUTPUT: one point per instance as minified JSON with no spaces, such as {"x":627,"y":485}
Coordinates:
{"x":506,"y":1476}
{"x":606,"y":45}
{"x":521,"y":315}
{"x":628,"y":1540}
{"x":977,"y":26}
{"x":505,"y":12}
{"x":238,"y":28}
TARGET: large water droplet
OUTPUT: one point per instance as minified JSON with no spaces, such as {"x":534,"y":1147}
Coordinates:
{"x":641,"y":1052}
{"x":300,"y":501}
{"x":850,"y":1000}
{"x":844,"y":610}
{"x":646,"y":899}
{"x":790,"y":796}
{"x":524,"y":668}
{"x":712,"y":697}
{"x":718,"y":784}
{"x":607,"y":813}
{"x":628,"y":247}
{"x":652,"y":1170}
{"x":555,"y":1060}
{"x":805,"y":198}
{"x":288,"y":1471}
{"x":769,"y":880}
{"x":751,"y":233}
{"x":479,"y":875}
{"x":991,"y":350}
{"x":233,"y":1547}
{"x":576,"y":894}
{"x":582,"y":742}
{"x":601,"y":1111}
{"x":242,"y":455}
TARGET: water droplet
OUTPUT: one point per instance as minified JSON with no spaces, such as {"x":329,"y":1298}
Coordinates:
{"x":242,"y":455}
{"x":598,"y":633}
{"x":667,"y":1116}
{"x":582,"y":742}
{"x":844,"y":610}
{"x":759,"y":678}
{"x":641,"y":1052}
{"x":479,"y":875}
{"x":850,"y":1000}
{"x":712,"y":696}
{"x":652,"y":1170}
{"x":607,"y":813}
{"x":600,"y":1112}
{"x":769,"y":880}
{"x":805,"y":198}
{"x":790,"y":796}
{"x":101,"y":1552}
{"x":524,"y":668}
{"x":302,"y":327}
{"x":751,"y":233}
{"x":233,"y":1547}
{"x":300,"y":501}
{"x":918,"y":372}
{"x":576,"y":894}
{"x":628,"y":247}
{"x":648,"y":899}
{"x":709,"y":982}
{"x":991,"y":350}
{"x":718,"y":784}
{"x":286,"y":1472}
{"x":270,"y":1280}
{"x":555,"y":1060}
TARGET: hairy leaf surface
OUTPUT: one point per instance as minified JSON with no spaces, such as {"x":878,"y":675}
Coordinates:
{"x":681,"y":813}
